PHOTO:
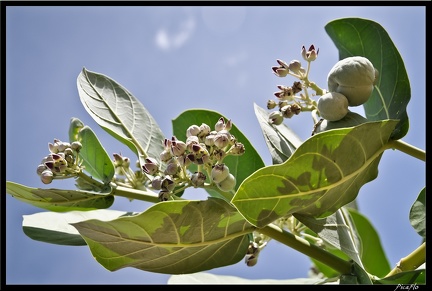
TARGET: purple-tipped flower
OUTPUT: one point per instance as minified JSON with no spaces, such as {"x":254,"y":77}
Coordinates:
{"x":198,"y":179}
{"x":219,"y":173}
{"x":276,"y":117}
{"x":150,"y":166}
{"x":309,"y":55}
{"x":282,"y":70}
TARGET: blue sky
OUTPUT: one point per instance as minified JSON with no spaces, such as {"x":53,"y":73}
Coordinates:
{"x":174,"y":59}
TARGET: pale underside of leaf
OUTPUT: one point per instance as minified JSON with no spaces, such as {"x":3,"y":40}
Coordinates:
{"x":116,"y":110}
{"x":173,"y":237}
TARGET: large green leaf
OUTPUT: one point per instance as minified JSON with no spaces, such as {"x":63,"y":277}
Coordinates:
{"x":122,"y":115}
{"x":61,"y":200}
{"x":408,"y":277}
{"x":281,"y":140}
{"x":240,"y":166}
{"x":337,"y":230}
{"x":362,"y":37}
{"x":55,"y":228}
{"x":172,"y":237}
{"x":95,"y":159}
{"x":324,"y":173}
{"x":372,"y":253}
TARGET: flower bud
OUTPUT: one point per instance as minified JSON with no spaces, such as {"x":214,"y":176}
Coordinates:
{"x":164,"y":195}
{"x":192,"y":130}
{"x":157,"y":183}
{"x":204,"y":130}
{"x":295,"y":67}
{"x":178,"y":148}
{"x":271,"y":104}
{"x":209,"y":140}
{"x":190,"y":141}
{"x":220,"y":124}
{"x":276,"y":117}
{"x":53,"y":148}
{"x":219,"y":173}
{"x":47,"y":176}
{"x":172,"y":168}
{"x":76,"y":146}
{"x":165,"y":156}
{"x":286,"y":111}
{"x":168,"y":184}
{"x":150,"y":166}
{"x":309,"y":55}
{"x":237,"y":149}
{"x":227,"y":184}
{"x":222,"y":139}
{"x":198,"y":179}
{"x":40,"y":169}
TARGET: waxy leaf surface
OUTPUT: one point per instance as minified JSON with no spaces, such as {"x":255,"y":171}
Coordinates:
{"x":337,"y":230}
{"x":61,"y":200}
{"x":55,"y":228}
{"x":95,"y":159}
{"x":122,"y":115}
{"x":172,"y":237}
{"x":240,"y":166}
{"x":323,"y":174}
{"x":366,"y":38}
{"x":281,"y":140}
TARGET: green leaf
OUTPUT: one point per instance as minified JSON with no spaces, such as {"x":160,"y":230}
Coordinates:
{"x":281,"y":140}
{"x":171,"y":237}
{"x":358,"y":276}
{"x":95,"y":159}
{"x":60,"y":200}
{"x":408,"y":277}
{"x":119,"y":113}
{"x":55,"y":228}
{"x":337,"y":230}
{"x":240,"y":166}
{"x":362,"y":37}
{"x":324,"y":173}
{"x":373,"y":257}
{"x":417,"y":214}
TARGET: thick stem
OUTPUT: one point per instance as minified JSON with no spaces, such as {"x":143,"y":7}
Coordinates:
{"x":130,"y":193}
{"x":408,"y":149}
{"x":411,"y":262}
{"x":303,"y":246}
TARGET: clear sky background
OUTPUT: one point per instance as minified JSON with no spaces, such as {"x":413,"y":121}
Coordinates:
{"x":178,"y":58}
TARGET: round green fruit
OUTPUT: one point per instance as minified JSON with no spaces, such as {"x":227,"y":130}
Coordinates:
{"x":333,"y":106}
{"x":354,"y":77}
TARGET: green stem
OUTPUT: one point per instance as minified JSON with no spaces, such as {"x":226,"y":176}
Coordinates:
{"x":410,"y":262}
{"x":131,"y":193}
{"x":303,"y":246}
{"x":408,"y":149}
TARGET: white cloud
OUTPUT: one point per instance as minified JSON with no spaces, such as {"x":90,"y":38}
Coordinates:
{"x":169,"y":40}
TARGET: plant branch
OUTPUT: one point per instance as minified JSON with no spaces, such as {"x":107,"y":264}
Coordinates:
{"x":131,"y":193}
{"x":410,"y":262}
{"x":408,"y":149}
{"x":303,"y":246}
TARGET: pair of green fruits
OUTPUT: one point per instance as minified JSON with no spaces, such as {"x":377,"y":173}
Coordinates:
{"x":350,"y":83}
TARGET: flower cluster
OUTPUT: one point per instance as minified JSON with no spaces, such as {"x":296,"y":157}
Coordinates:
{"x":62,"y":162}
{"x":127,"y":177}
{"x":206,"y":149}
{"x":289,"y":99}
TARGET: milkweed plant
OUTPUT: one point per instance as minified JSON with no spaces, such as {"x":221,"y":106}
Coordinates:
{"x":304,"y":200}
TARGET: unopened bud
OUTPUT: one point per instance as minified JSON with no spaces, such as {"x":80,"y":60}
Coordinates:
{"x":227,"y":184}
{"x":219,"y":173}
